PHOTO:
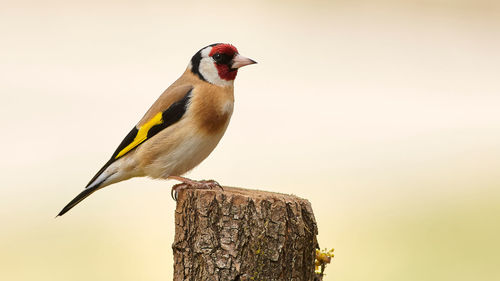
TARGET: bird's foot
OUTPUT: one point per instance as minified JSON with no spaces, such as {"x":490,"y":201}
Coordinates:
{"x":192,"y":184}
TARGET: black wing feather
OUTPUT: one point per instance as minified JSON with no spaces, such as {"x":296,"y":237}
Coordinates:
{"x":170,"y":116}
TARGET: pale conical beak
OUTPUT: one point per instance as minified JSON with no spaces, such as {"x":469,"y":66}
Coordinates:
{"x":239,"y":61}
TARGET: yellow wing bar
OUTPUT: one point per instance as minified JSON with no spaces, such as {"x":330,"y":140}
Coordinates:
{"x":142,"y":134}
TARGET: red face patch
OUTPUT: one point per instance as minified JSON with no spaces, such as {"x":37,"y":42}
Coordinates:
{"x":227,"y":49}
{"x":224,"y":70}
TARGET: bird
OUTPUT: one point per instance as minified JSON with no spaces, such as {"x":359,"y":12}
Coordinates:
{"x":181,"y":128}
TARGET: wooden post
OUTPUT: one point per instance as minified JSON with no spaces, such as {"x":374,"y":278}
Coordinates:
{"x":241,"y":234}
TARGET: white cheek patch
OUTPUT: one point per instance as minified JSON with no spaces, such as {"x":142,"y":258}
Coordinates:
{"x":205,"y":53}
{"x":209,"y":71}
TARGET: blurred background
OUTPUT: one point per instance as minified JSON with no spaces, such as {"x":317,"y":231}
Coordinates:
{"x":384,"y":114}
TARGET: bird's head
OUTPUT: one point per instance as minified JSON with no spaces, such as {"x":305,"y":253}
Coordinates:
{"x":218,"y":64}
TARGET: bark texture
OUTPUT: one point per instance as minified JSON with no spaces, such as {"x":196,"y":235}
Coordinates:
{"x":241,"y":234}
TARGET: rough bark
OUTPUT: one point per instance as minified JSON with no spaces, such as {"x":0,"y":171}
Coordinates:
{"x":241,"y":234}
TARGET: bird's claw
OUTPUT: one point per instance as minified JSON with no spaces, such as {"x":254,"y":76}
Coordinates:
{"x":212,"y":184}
{"x":174,"y":192}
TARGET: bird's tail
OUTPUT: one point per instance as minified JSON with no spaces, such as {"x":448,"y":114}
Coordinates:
{"x":79,"y":198}
{"x":104,"y":177}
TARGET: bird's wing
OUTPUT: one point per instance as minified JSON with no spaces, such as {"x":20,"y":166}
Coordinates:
{"x":167,"y":110}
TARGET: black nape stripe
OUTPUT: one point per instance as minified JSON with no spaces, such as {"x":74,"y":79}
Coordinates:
{"x":195,"y":65}
{"x":195,"y":62}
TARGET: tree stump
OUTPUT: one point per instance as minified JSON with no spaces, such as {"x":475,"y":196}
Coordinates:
{"x":242,"y":234}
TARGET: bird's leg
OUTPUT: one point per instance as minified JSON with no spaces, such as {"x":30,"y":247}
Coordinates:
{"x":192,"y":184}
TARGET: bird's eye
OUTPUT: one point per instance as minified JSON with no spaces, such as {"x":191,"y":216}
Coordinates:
{"x":217,"y":57}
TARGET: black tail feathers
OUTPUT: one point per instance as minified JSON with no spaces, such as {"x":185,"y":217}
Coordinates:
{"x":79,"y":198}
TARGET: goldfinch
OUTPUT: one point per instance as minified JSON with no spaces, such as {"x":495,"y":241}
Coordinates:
{"x":181,"y":128}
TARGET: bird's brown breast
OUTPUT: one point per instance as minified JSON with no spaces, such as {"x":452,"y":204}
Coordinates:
{"x":212,"y":107}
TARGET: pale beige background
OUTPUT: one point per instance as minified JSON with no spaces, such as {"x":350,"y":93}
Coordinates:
{"x":384,"y":114}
